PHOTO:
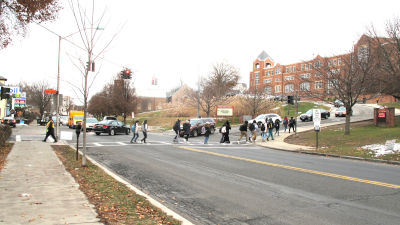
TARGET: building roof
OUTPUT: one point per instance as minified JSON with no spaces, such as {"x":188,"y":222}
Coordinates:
{"x":263,"y":56}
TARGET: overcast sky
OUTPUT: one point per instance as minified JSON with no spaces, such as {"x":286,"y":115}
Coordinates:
{"x":180,"y":40}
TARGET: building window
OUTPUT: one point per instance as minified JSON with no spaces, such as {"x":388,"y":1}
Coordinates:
{"x":318,"y":85}
{"x":278,"y":70}
{"x":302,"y":67}
{"x":257,"y":77}
{"x":317,"y":64}
{"x":268,"y":90}
{"x":294,"y":68}
{"x":363,"y":52}
{"x":332,"y":83}
{"x":265,"y":73}
{"x":339,"y":61}
{"x":310,"y":66}
{"x":287,"y":69}
{"x":272,"y":72}
{"x":329,"y":63}
{"x":277,"y":88}
{"x":305,"y":86}
{"x":289,"y":78}
{"x":266,"y":81}
{"x":289,"y":88}
{"x":257,"y":65}
{"x":305,"y":75}
{"x":306,"y":67}
{"x":277,"y":79}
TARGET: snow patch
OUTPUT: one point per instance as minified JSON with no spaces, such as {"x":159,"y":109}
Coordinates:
{"x":390,"y":147}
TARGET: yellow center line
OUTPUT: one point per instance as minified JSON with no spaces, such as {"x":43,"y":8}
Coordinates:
{"x":294,"y":168}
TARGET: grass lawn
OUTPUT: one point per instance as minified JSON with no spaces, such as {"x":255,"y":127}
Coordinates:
{"x":302,"y":108}
{"x":333,"y":141}
{"x":392,"y":104}
{"x":115,"y":203}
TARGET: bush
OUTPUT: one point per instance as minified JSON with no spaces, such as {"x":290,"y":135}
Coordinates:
{"x":5,"y":133}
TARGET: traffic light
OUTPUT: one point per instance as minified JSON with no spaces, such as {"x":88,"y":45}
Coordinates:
{"x":126,"y":74}
{"x":88,"y":66}
{"x":5,"y":93}
{"x":290,"y":99}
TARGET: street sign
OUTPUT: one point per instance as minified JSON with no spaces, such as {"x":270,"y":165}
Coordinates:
{"x":50,"y":91}
{"x":15,"y":90}
{"x":317,"y":119}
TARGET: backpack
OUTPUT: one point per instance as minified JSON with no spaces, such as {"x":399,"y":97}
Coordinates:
{"x":270,"y":125}
{"x":223,"y":129}
{"x":262,"y":127}
{"x":251,"y":127}
{"x":203,"y":130}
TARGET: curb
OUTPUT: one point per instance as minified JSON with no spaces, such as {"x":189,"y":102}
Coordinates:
{"x":397,"y":163}
{"x":154,"y":202}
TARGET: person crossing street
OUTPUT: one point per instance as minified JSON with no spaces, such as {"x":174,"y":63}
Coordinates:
{"x":50,"y":130}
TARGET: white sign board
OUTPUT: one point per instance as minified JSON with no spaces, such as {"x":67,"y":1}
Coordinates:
{"x":15,"y":90}
{"x":224,"y":111}
{"x":66,"y":135}
{"x":317,"y":119}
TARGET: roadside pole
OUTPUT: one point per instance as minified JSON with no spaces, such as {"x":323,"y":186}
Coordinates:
{"x":78,"y":132}
{"x":317,"y":125}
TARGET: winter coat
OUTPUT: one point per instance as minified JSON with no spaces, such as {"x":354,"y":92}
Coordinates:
{"x":186,"y":128}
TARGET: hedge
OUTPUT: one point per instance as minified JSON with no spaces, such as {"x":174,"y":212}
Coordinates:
{"x":5,"y":133}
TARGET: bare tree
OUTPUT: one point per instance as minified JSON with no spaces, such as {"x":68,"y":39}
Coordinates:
{"x":16,"y":15}
{"x":88,"y":27}
{"x":387,"y":50}
{"x":346,"y":78}
{"x":214,"y":89}
{"x":36,"y":96}
{"x":123,"y":97}
{"x":254,"y":102}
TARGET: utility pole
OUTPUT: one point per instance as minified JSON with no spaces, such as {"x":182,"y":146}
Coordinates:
{"x":198,"y":97}
{"x":58,"y":91}
{"x":295,"y":117}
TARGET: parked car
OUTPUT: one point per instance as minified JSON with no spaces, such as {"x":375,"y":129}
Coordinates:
{"x":338,"y":103}
{"x":90,"y":123}
{"x":110,"y":118}
{"x":263,"y":117}
{"x":9,"y":121}
{"x":196,"y":125}
{"x":325,"y":114}
{"x":111,"y":127}
{"x":341,"y":111}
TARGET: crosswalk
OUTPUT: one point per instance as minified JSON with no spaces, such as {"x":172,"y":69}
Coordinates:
{"x":160,"y":143}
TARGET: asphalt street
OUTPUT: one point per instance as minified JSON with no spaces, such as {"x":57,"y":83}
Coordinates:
{"x":247,"y":184}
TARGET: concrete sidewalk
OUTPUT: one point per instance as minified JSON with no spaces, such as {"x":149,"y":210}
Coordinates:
{"x":35,"y":188}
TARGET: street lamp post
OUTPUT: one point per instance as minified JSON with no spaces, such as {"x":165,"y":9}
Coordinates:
{"x":58,"y":78}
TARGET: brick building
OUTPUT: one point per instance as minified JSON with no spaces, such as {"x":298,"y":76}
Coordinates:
{"x":275,"y":79}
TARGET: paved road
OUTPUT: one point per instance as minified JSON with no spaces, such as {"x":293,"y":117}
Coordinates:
{"x":247,"y":184}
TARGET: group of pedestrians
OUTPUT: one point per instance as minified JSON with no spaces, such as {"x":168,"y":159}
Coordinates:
{"x":266,"y":128}
{"x":135,"y":130}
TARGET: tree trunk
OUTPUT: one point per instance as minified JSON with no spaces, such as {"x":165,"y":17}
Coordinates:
{"x":347,"y":125}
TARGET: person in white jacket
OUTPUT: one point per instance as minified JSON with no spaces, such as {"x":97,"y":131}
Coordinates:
{"x":144,"y":130}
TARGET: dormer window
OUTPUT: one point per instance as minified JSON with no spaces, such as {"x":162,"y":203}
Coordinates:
{"x":267,"y":65}
{"x":257,"y":65}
